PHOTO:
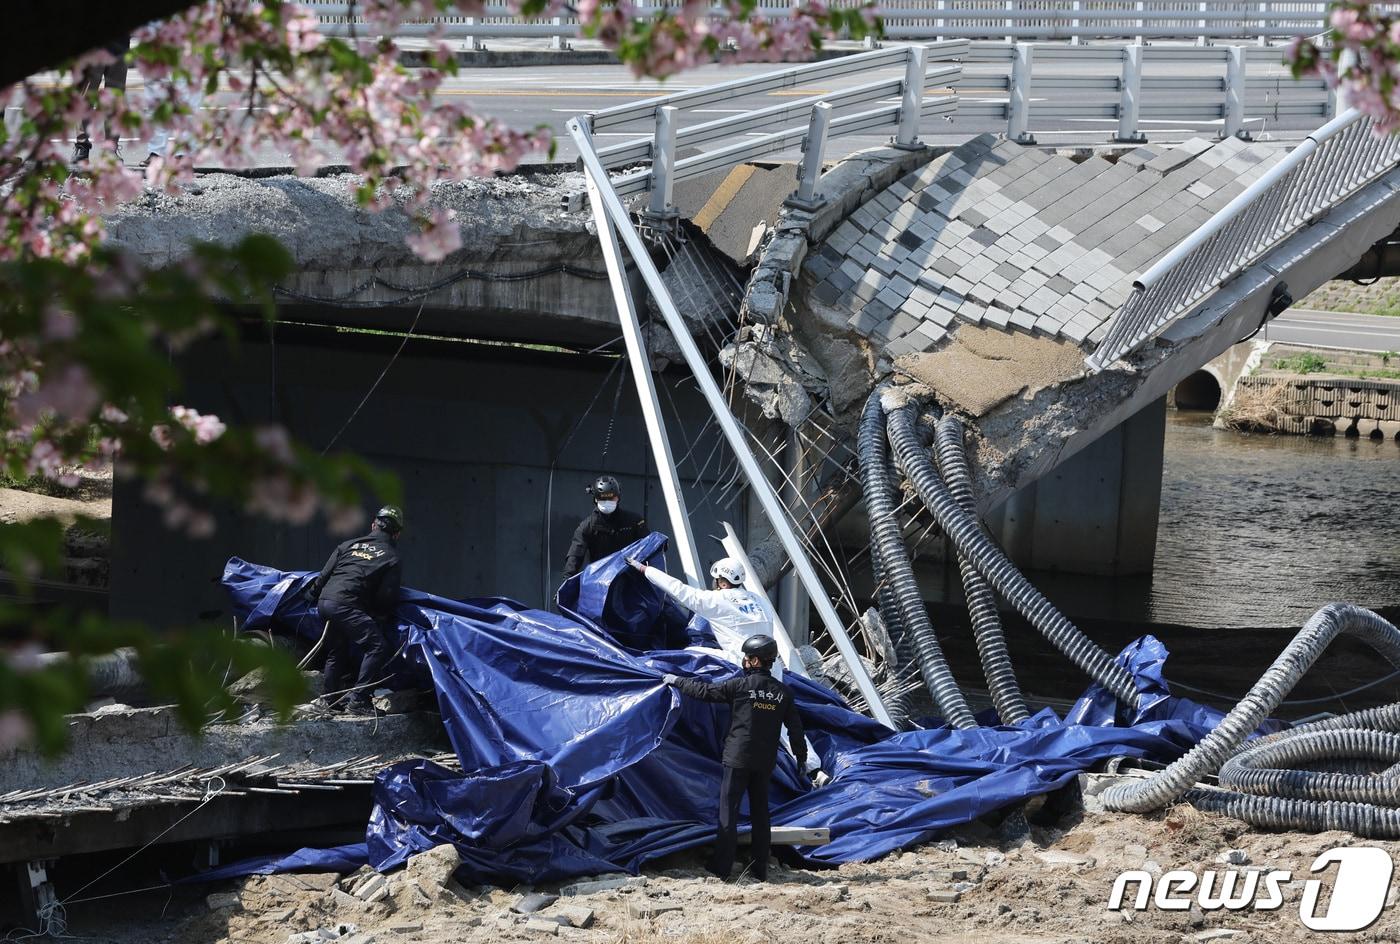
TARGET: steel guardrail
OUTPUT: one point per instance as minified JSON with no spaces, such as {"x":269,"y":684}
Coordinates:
{"x":1331,"y":165}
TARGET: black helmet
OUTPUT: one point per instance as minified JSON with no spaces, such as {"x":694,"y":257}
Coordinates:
{"x":761,"y":647}
{"x":604,"y":485}
{"x":391,"y":518}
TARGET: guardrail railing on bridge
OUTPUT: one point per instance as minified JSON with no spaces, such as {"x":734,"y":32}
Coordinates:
{"x":811,"y":119}
{"x":1332,"y":164}
{"x":1073,"y":20}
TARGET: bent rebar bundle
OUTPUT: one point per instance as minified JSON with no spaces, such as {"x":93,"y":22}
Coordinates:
{"x":1340,"y":773}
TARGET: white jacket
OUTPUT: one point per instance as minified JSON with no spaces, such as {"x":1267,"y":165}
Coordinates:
{"x":734,"y":614}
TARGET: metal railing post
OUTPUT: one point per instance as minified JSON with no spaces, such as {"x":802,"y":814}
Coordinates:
{"x":663,"y":163}
{"x":1201,"y":37}
{"x":809,"y":172}
{"x":1235,"y":77}
{"x":1263,"y":22}
{"x":942,"y":5}
{"x":472,"y":43}
{"x":559,"y":42}
{"x":911,"y":105}
{"x":1138,"y":39}
{"x":1019,"y":100}
{"x":640,"y":363}
{"x":1130,"y":97}
{"x":1074,"y":25}
{"x":773,"y":508}
{"x":1010,"y":5}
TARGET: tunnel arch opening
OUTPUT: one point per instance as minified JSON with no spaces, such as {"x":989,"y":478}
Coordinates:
{"x":1200,"y":391}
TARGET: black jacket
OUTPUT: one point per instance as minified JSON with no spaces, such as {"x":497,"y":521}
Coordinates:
{"x":599,"y":535}
{"x":363,"y":573}
{"x":761,"y":705}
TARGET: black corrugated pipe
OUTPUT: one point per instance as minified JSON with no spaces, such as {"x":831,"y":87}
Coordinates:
{"x":1332,"y":739}
{"x":981,"y":599}
{"x":887,"y":540}
{"x":917,"y":465}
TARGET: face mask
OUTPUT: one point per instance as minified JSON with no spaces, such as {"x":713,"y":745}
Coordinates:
{"x":608,"y":506}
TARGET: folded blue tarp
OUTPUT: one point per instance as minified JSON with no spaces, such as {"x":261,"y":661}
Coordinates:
{"x":578,"y":760}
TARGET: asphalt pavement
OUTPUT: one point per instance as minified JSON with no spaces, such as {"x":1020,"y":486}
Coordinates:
{"x":1335,"y":329}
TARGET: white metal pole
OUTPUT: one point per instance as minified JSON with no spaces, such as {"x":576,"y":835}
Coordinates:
{"x":809,"y":172}
{"x":663,"y":161}
{"x":1019,"y":102}
{"x":646,"y":388}
{"x":911,"y":105}
{"x":1130,"y":97}
{"x":758,"y":482}
{"x":1235,"y":74}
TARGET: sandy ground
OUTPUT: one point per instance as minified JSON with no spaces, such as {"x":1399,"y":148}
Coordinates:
{"x":87,"y":549}
{"x":1052,"y":887}
{"x":983,"y":367}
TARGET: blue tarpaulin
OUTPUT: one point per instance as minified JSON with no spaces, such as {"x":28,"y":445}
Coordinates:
{"x":577,"y":759}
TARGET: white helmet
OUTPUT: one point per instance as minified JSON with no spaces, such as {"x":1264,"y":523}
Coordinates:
{"x":729,"y":569}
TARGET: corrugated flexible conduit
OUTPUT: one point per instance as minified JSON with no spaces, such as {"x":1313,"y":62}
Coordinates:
{"x":1316,"y":800}
{"x":917,"y":465}
{"x":887,"y":540}
{"x":951,"y":458}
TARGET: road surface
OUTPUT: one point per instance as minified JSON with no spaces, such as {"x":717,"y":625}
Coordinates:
{"x":1335,"y":329}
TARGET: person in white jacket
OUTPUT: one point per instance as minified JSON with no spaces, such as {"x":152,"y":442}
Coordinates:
{"x":734,"y":612}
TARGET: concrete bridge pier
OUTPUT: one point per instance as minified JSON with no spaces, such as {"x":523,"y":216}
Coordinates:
{"x":1096,"y":513}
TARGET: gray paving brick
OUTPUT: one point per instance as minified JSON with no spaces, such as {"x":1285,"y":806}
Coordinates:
{"x":994,"y":282}
{"x":864,"y":320}
{"x":932,"y":331}
{"x":997,"y":317}
{"x":1023,"y":320}
{"x":942,"y":315}
{"x":923,"y":295}
{"x":890,"y":298}
{"x":910,"y":270}
{"x":884,"y":265}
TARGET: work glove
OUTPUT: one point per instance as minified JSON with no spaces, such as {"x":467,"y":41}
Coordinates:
{"x":671,"y":679}
{"x":636,"y":565}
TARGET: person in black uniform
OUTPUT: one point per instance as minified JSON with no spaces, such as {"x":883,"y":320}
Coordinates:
{"x":356,"y":593}
{"x":761,"y":706}
{"x":606,"y":531}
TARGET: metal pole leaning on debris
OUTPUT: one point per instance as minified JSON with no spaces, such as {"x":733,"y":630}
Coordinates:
{"x":792,"y":659}
{"x":646,"y":387}
{"x":762,"y":488}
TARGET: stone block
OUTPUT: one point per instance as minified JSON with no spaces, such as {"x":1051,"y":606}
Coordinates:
{"x":611,"y":883}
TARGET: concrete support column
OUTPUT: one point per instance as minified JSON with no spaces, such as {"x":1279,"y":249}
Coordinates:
{"x":794,"y":608}
{"x":1097,"y":512}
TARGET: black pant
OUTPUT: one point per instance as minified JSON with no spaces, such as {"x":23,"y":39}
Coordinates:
{"x":732,"y":788}
{"x":113,"y":76}
{"x":350,"y":624}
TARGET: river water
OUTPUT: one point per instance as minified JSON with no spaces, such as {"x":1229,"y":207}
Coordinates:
{"x":1259,"y":531}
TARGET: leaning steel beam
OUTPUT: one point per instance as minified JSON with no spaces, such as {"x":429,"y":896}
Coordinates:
{"x":762,"y":488}
{"x":646,"y":387}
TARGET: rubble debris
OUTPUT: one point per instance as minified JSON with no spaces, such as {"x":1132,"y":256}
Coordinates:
{"x":533,"y":902}
{"x":542,"y":926}
{"x":1233,"y":857}
{"x":603,"y":885}
{"x":372,"y":889}
{"x":651,"y":907}
{"x":575,"y":916}
{"x":1056,"y":858}
{"x":1218,"y":934}
{"x":221,"y":900}
{"x":944,"y":895}
{"x":434,"y":868}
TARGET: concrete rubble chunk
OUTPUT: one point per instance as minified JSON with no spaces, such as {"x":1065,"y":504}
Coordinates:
{"x":650,"y":908}
{"x":221,"y":900}
{"x":1056,"y":858}
{"x":371,"y":889}
{"x":603,"y":885}
{"x":1233,"y":857}
{"x":946,"y":896}
{"x":542,"y":926}
{"x":575,"y":916}
{"x":948,"y":875}
{"x":407,"y":928}
{"x":533,"y":902}
{"x":1218,"y":934}
{"x":434,"y":868}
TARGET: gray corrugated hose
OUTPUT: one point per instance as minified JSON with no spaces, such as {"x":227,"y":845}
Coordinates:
{"x":981,"y":599}
{"x":888,"y":542}
{"x":917,"y":465}
{"x":1334,"y":739}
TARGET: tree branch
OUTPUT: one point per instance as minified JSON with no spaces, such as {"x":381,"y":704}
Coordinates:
{"x":46,"y":33}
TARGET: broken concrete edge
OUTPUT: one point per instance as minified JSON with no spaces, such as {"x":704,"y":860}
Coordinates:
{"x":844,"y":189}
